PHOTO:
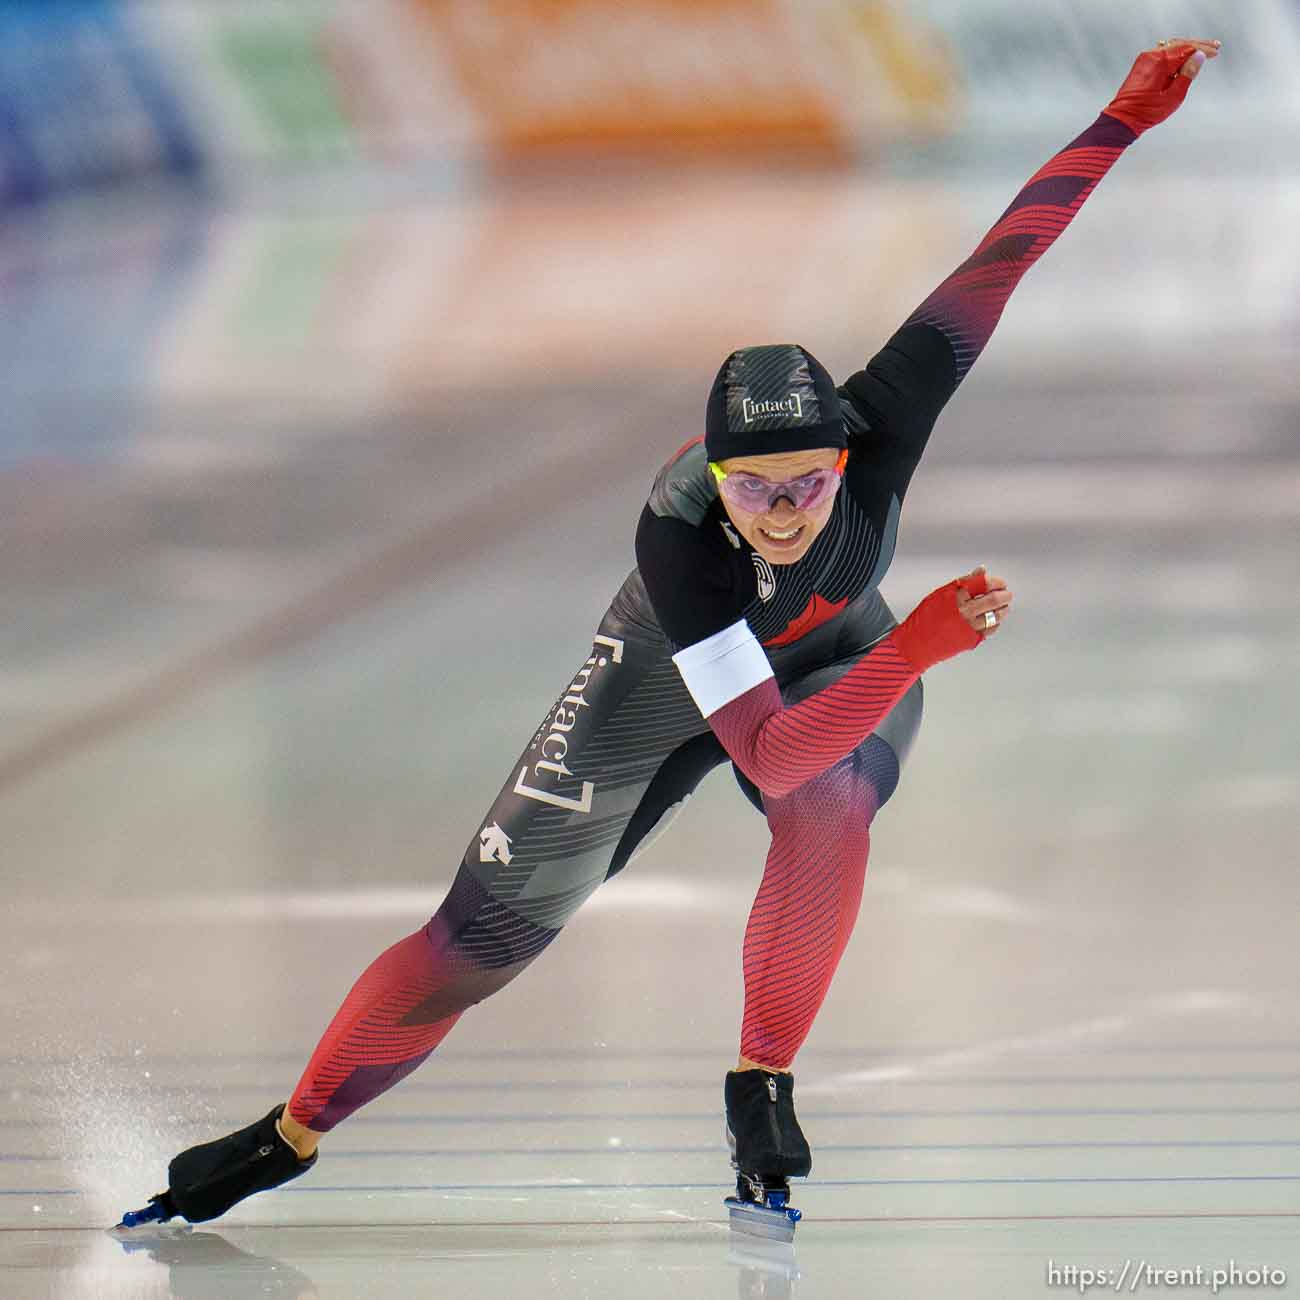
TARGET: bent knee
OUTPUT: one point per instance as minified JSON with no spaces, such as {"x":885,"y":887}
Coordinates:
{"x":879,"y":768}
{"x":843,"y":800}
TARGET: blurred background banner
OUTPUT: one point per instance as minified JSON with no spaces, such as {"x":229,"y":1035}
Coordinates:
{"x":345,"y":297}
{"x":687,"y":74}
{"x":1026,"y":69}
{"x":311,"y":82}
{"x":101,"y":90}
{"x":263,"y":79}
{"x":96,"y":91}
{"x":84,"y":101}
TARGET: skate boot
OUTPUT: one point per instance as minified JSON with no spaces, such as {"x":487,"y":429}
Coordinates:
{"x":207,"y":1180}
{"x":767,"y":1149}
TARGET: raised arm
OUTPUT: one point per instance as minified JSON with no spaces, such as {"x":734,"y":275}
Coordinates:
{"x":967,"y":305}
{"x":903,"y":389}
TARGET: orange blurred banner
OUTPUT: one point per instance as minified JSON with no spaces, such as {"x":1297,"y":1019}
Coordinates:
{"x":546,"y":75}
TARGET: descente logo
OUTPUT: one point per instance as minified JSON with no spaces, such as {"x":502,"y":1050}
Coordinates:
{"x":753,"y":410}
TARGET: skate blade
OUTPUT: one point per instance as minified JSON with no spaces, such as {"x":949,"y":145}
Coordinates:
{"x":153,"y":1216}
{"x":142,"y":1234}
{"x":762,"y":1220}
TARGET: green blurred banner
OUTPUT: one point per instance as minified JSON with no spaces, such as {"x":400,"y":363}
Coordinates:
{"x":108,"y":90}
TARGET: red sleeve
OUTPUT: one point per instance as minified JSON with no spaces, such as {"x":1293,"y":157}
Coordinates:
{"x":968,"y":304}
{"x":905,"y":386}
{"x":780,"y":748}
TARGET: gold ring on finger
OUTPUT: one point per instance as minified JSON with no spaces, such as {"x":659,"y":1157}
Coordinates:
{"x":990,"y":619}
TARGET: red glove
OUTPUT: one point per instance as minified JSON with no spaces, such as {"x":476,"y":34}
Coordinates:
{"x":935,"y":630}
{"x":1156,"y":86}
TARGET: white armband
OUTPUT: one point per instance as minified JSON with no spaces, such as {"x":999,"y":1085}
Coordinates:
{"x":723,"y":667}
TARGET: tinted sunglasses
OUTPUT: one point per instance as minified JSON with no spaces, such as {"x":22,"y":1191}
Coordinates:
{"x":754,"y":494}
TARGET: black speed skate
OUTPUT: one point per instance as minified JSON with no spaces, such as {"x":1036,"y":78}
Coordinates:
{"x":205,"y":1181}
{"x":768,"y":1148}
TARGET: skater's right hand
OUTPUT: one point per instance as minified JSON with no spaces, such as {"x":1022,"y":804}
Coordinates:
{"x":953,"y":619}
{"x":978,"y":594}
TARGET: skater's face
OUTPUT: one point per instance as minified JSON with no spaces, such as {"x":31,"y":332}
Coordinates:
{"x":779,"y":531}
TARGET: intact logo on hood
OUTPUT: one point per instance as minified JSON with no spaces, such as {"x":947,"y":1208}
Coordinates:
{"x":752,"y":410}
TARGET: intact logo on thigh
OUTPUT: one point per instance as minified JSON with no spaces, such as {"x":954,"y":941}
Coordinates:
{"x":552,"y":739}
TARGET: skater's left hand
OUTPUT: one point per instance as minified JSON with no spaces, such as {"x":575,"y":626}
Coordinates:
{"x":1158,"y":82}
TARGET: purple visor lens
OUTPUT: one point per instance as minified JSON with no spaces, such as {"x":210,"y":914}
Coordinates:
{"x":755,"y":495}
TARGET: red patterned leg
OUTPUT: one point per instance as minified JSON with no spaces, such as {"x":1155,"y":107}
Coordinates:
{"x":805,"y":909}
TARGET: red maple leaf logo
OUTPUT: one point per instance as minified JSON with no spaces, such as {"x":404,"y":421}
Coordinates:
{"x":815,"y":613}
